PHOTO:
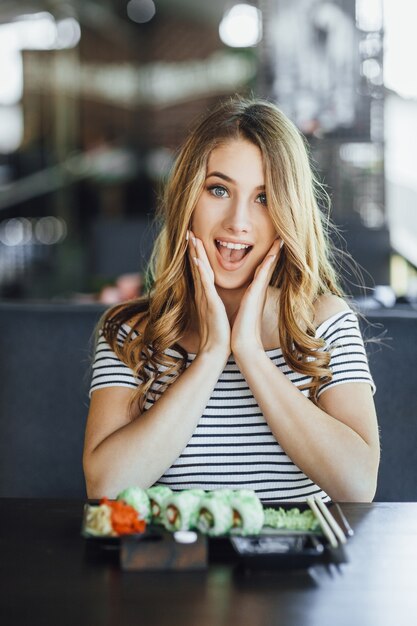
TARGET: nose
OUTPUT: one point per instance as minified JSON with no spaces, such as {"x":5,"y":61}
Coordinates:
{"x":238,"y":218}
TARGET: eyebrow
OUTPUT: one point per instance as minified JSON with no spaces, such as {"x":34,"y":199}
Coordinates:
{"x":228,"y":179}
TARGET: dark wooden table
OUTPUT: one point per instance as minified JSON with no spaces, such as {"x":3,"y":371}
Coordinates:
{"x":47,"y":578}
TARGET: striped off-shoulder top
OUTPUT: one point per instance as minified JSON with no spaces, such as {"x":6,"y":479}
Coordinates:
{"x":232,"y":445}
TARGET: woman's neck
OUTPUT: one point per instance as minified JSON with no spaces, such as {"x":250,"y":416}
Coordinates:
{"x":231,"y":299}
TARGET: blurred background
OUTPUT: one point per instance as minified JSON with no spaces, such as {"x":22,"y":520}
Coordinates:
{"x":96,"y":96}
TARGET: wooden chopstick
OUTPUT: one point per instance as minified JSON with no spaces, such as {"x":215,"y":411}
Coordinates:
{"x":323,"y":523}
{"x":348,"y":530}
{"x":340,"y":535}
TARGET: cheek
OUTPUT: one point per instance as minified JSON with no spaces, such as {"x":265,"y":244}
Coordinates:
{"x":269,"y":229}
{"x":197,"y":215}
{"x":202,"y":219}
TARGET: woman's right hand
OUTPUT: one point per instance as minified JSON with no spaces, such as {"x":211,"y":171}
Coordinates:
{"x":214,"y":326}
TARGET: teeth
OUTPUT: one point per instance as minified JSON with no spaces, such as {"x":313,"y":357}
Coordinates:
{"x":233,"y":246}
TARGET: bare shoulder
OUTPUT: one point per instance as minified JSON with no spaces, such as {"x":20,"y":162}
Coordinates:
{"x":328,"y":305}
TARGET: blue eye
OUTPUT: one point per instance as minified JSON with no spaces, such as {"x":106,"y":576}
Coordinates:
{"x":262,"y":198}
{"x":218,"y":191}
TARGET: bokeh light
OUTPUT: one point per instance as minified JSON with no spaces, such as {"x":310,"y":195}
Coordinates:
{"x":140,"y":11}
{"x":241,"y":26}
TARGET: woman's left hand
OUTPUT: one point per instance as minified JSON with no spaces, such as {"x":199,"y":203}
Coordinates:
{"x":247,"y":325}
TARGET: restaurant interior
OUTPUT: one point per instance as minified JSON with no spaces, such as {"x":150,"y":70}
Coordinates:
{"x":95,"y":98}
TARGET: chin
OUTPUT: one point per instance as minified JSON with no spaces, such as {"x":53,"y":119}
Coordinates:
{"x":232,"y":282}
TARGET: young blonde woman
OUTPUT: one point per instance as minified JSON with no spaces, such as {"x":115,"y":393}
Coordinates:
{"x":245,"y":366}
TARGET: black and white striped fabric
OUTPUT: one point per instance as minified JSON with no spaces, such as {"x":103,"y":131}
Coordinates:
{"x":232,"y":445}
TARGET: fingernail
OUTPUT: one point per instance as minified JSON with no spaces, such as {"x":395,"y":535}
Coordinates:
{"x":195,"y":260}
{"x":187,"y":236}
{"x":273,"y":256}
{"x":281,"y":244}
{"x":194,"y":240}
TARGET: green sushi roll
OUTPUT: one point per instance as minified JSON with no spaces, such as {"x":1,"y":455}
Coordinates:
{"x":181,"y":509}
{"x":248,"y":512}
{"x":139,"y":499}
{"x":215,"y":515}
{"x":157,"y":496}
{"x":225,"y":494}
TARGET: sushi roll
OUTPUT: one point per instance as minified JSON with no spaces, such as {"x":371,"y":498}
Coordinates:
{"x":98,"y":521}
{"x":248,"y":512}
{"x":225,"y":494}
{"x":113,"y":518}
{"x":157,"y":495}
{"x":139,"y":499}
{"x":215,"y":515}
{"x":181,"y":509}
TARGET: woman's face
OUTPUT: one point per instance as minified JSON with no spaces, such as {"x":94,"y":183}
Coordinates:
{"x":232,"y":209}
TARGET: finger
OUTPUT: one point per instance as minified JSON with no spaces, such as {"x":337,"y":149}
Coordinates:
{"x":191,"y":243}
{"x":193,"y":254}
{"x":197,"y":259}
{"x":205,"y":270}
{"x":276,"y":246}
{"x":270,"y":256}
{"x":194,"y":269}
{"x":202,"y":256}
{"x":265,"y":270}
{"x":206,"y":278}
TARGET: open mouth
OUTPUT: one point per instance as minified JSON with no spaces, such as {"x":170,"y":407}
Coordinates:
{"x":232,"y":253}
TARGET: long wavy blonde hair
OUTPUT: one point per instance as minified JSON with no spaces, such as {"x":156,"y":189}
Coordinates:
{"x":304,"y":269}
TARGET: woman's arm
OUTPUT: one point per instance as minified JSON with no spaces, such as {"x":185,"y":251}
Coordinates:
{"x":120,"y":452}
{"x":336,"y":444}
